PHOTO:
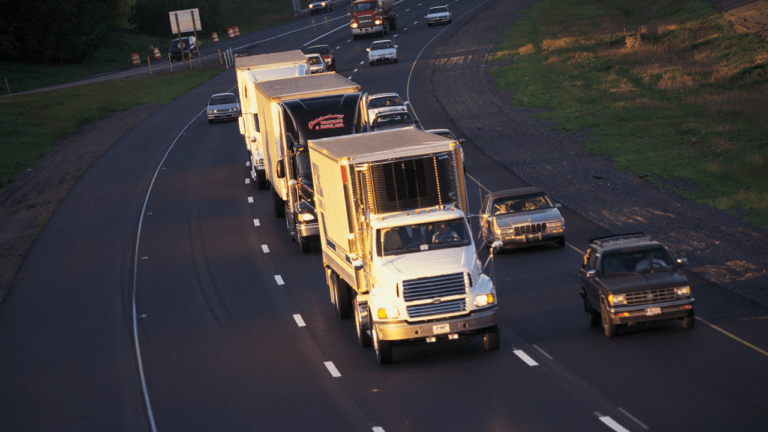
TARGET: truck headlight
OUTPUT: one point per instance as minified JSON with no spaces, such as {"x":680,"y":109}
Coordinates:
{"x":484,"y":300}
{"x":390,"y":312}
{"x":353,"y":25}
{"x":617,"y":299}
{"x":377,"y":22}
{"x":306,"y":217}
{"x":311,"y":6}
{"x":683,"y":291}
{"x":261,"y":161}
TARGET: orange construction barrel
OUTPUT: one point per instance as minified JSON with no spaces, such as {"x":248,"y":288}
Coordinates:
{"x":136,"y":59}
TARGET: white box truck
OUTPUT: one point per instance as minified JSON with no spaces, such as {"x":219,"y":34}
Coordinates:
{"x":259,"y":68}
{"x":397,"y":246}
{"x":291,"y":112}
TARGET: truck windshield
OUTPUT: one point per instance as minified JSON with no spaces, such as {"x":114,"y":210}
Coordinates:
{"x":422,"y":237}
{"x":640,"y":261}
{"x":362,"y":7}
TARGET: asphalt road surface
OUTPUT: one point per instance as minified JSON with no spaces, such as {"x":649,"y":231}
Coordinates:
{"x":163,"y":295}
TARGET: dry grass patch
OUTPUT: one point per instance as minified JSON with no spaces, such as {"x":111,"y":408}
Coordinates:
{"x":562,"y":42}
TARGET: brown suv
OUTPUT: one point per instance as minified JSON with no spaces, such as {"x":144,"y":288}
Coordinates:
{"x":630,"y":279}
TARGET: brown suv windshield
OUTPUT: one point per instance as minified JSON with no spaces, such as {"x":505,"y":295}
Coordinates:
{"x":640,"y":261}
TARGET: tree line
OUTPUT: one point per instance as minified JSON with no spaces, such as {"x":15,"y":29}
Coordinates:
{"x":68,"y":31}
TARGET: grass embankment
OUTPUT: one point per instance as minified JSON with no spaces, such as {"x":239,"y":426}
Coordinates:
{"x":31,"y":123}
{"x":248,"y":15}
{"x":667,"y":87}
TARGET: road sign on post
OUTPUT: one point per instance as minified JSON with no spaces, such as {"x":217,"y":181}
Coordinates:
{"x":188,"y":21}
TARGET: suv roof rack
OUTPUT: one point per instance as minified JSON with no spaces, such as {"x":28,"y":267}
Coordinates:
{"x":621,"y":237}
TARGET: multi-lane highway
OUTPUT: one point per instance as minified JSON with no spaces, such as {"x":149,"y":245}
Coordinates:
{"x":163,"y":295}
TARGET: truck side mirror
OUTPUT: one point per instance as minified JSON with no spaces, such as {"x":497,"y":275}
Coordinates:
{"x":280,"y":168}
{"x":591,"y":274}
{"x":682,"y":262}
{"x":357,"y":264}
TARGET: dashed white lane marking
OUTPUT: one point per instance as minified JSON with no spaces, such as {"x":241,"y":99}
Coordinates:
{"x":378,"y":429}
{"x":526,"y":358}
{"x":247,"y":181}
{"x":355,"y":70}
{"x":349,"y":77}
{"x":338,"y":47}
{"x":407,"y":10}
{"x":542,"y":351}
{"x":415,"y":22}
{"x":362,"y":62}
{"x":279,"y":280}
{"x":256,"y":222}
{"x":265,"y":248}
{"x":332,"y":369}
{"x":250,"y":199}
{"x":633,"y":418}
{"x":611,"y":423}
{"x":248,"y":163}
{"x":299,"y":321}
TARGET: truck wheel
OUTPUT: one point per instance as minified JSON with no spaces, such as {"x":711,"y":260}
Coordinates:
{"x":288,"y":225}
{"x":362,"y":322}
{"x":592,"y":316}
{"x":689,"y":321}
{"x":609,"y":328}
{"x":383,"y":349}
{"x":306,"y":245}
{"x":261,"y":180}
{"x":277,"y":204}
{"x":491,"y":340}
{"x":341,"y":296}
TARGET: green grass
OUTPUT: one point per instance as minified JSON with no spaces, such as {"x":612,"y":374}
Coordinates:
{"x":248,"y":15}
{"x":29,"y":124}
{"x":667,"y":88}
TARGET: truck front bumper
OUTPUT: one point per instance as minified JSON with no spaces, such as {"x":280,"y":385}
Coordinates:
{"x":308,"y":229}
{"x":651,"y":312}
{"x":402,"y":332}
{"x":367,"y":30}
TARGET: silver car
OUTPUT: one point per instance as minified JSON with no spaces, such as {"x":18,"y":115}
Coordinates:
{"x":382,"y":102}
{"x":521,"y":217}
{"x":316,"y":63}
{"x":223,"y":106}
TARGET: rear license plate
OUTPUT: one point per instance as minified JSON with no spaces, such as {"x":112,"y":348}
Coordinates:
{"x":441,"y":328}
{"x":653,"y":311}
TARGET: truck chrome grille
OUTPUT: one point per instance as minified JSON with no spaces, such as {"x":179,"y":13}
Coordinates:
{"x":364,"y":20}
{"x":429,"y":309}
{"x":653,"y":296}
{"x":531,"y":229}
{"x":436,"y":287}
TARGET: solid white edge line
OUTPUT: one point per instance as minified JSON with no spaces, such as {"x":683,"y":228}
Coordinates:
{"x":151,"y":417}
{"x":633,"y":418}
{"x":299,"y":320}
{"x":256,"y":222}
{"x":525,"y":357}
{"x":542,"y":351}
{"x":332,"y":369}
{"x":611,"y":423}
{"x":265,"y":248}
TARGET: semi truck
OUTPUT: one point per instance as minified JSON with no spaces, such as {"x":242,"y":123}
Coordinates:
{"x":251,"y":70}
{"x":371,"y":17}
{"x":397,"y":247}
{"x":291,"y":112}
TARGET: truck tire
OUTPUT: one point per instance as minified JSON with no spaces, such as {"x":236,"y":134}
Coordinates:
{"x":288,"y":225}
{"x":363,"y":325}
{"x":592,"y":315}
{"x":277,"y":204}
{"x":261,"y":180}
{"x":383,"y":349}
{"x":609,"y":328}
{"x":689,"y":321}
{"x":306,"y":245}
{"x":392,"y":24}
{"x":341,"y":297}
{"x":491,"y":340}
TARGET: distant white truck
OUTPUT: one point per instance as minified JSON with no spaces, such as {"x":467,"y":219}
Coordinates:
{"x":252,"y":70}
{"x":292,"y":112}
{"x":397,"y":246}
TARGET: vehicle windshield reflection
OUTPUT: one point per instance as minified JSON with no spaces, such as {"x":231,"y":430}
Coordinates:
{"x":422,"y":237}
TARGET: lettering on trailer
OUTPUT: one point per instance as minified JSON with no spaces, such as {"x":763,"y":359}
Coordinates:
{"x":330,"y":121}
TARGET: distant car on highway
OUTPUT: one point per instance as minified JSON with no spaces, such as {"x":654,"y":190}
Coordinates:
{"x":317,"y":6}
{"x":382,"y":102}
{"x":190,"y":46}
{"x":316,"y":63}
{"x":521,"y":217}
{"x":630,"y":279}
{"x":446,"y":133}
{"x":393,"y":120}
{"x":327,"y":54}
{"x":382,"y":51}
{"x":223,"y":106}
{"x":438,"y":15}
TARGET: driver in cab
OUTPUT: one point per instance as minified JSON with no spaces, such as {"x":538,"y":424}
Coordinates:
{"x":650,"y":262}
{"x":444,"y":234}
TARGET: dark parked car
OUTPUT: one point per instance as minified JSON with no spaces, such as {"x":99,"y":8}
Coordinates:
{"x":326,"y":53}
{"x":190,"y":46}
{"x":630,"y":279}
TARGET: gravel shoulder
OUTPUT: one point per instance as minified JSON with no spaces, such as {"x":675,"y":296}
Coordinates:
{"x":719,"y":247}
